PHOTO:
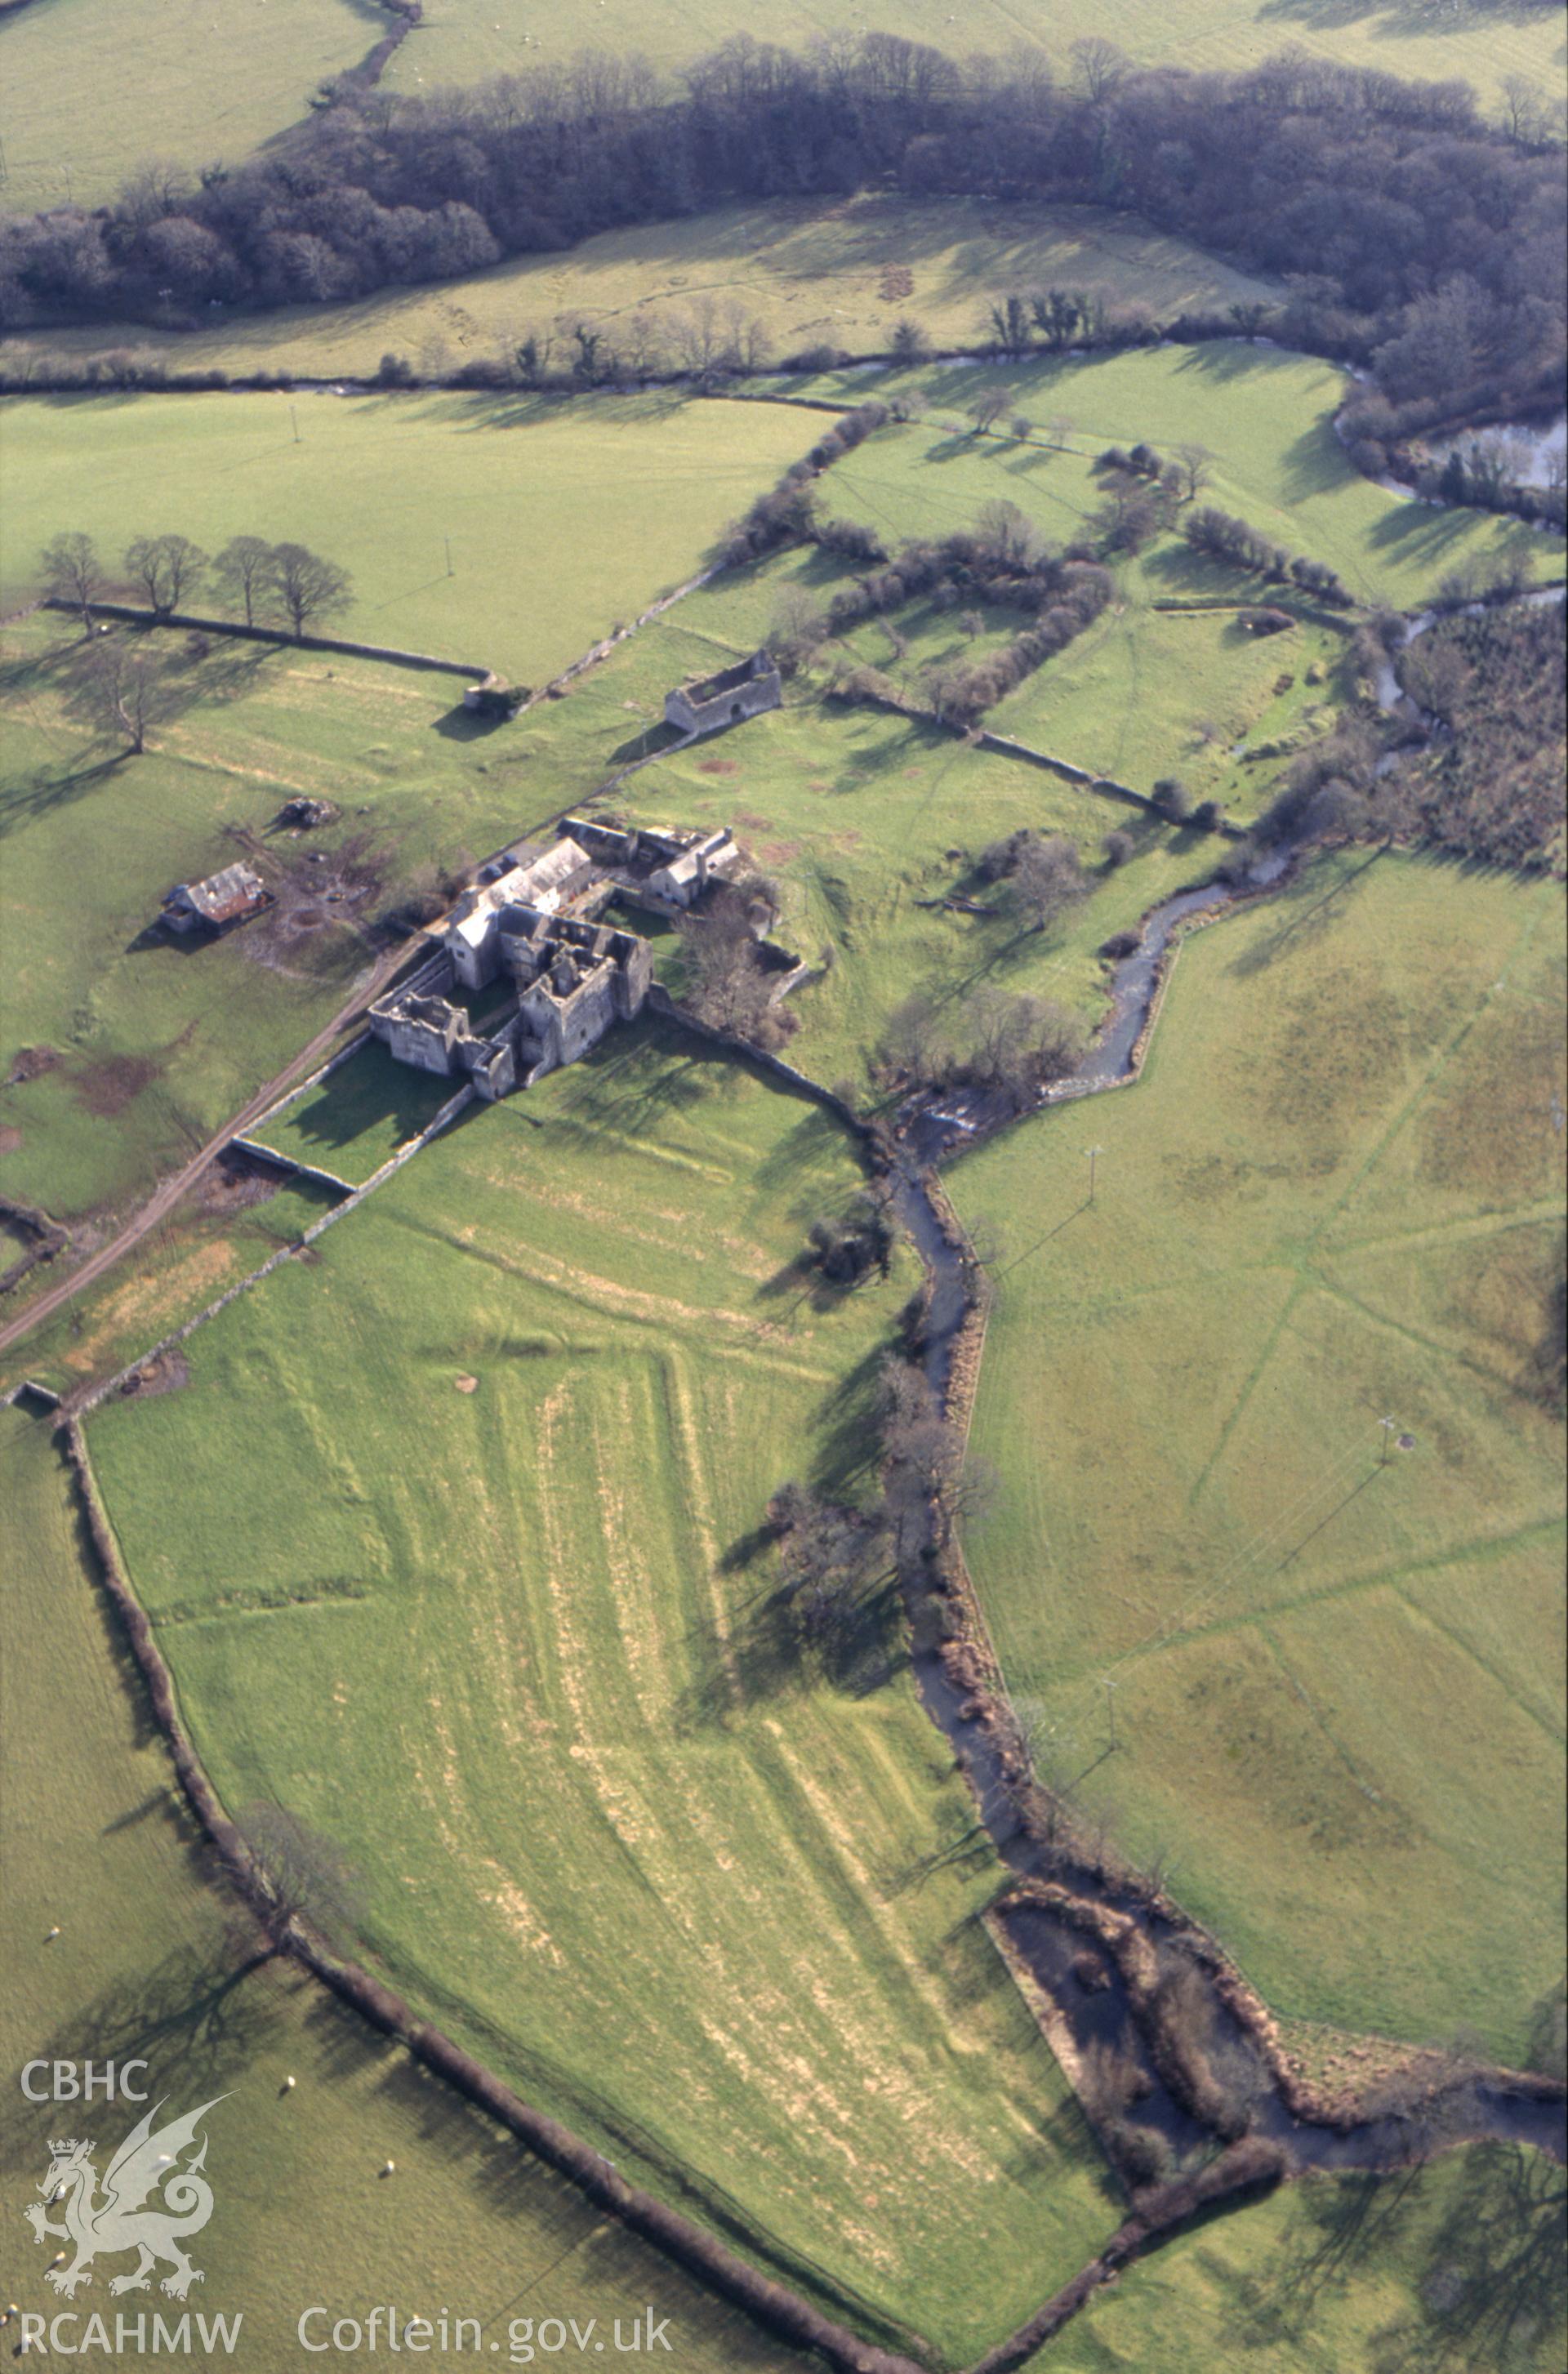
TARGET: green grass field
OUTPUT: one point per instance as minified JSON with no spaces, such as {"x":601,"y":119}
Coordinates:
{"x":88,"y":97}
{"x":461,"y":41}
{"x":1263,"y":415}
{"x":811,"y":272}
{"x":529,"y":1403}
{"x":1454,"y":2266}
{"x":1335,"y":1195}
{"x":87,"y":105}
{"x":145,"y":1964}
{"x":561,"y":518}
{"x":358,"y":1117}
{"x":159,"y":1041}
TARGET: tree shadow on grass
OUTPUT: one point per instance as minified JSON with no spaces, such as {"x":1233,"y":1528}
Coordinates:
{"x":1309,"y":911}
{"x":1488,"y":2281}
{"x":617,"y":1087}
{"x":847,"y":1441}
{"x":196,"y":2018}
{"x":40,"y":793}
{"x":461,"y":724}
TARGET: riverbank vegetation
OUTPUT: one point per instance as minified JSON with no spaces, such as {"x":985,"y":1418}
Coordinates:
{"x":1420,"y":241}
{"x":1493,"y":788}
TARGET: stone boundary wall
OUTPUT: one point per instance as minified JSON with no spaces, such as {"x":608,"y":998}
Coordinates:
{"x":89,"y":1397}
{"x":698,"y":2252}
{"x":260,"y":1153}
{"x":663,"y":1004}
{"x":1251,"y":2165}
{"x":350,"y":1047}
{"x":603,"y":648}
{"x":404,"y":1153}
{"x":136,"y":616}
{"x":48,"y":1239}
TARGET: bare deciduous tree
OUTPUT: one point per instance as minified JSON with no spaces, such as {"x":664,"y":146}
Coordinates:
{"x":166,"y":567}
{"x":1194,"y":463}
{"x":309,"y":1876}
{"x":241,"y":571}
{"x":308,"y":587}
{"x":123,"y":688}
{"x":1100,"y":66}
{"x":1046,"y":878}
{"x":71,"y":572}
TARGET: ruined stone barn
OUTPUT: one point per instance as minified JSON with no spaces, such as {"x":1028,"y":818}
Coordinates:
{"x":708,"y":702}
{"x":221,"y":900}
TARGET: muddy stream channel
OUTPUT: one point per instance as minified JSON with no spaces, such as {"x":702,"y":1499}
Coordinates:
{"x":1056,"y":1952}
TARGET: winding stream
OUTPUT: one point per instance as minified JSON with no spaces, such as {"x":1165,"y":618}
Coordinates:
{"x":1053,"y":1949}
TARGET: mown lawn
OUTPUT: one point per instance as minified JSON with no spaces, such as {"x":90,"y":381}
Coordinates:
{"x":561,"y":519}
{"x":1336,"y":1196}
{"x":148,"y":1963}
{"x":85,"y":106}
{"x":1458,"y":2264}
{"x":507,"y":1446}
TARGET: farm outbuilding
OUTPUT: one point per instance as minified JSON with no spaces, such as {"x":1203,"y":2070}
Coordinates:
{"x":222,"y":899}
{"x":709,"y":702}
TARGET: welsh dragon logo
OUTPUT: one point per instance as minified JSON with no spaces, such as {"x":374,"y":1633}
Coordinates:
{"x":145,"y":2170}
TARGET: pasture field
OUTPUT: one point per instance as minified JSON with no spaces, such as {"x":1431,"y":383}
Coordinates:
{"x":152,"y":1044}
{"x":860,"y":817}
{"x":148,"y":1962}
{"x":149,"y":1043}
{"x":561,"y":518}
{"x":810,"y":270}
{"x":88,"y":97}
{"x":1335,"y":1197}
{"x":1457,"y":2264}
{"x":1484,"y":42}
{"x":1265,"y":416}
{"x":512,"y":1636}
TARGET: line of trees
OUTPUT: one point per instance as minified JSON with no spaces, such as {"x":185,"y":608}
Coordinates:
{"x":1001,"y":562}
{"x":1410,"y":234}
{"x":261,"y":583}
{"x":1223,"y":537}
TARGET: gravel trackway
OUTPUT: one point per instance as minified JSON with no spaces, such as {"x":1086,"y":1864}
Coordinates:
{"x":166,"y":1197}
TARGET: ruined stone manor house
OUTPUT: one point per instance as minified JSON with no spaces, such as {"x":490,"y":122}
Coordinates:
{"x":530,"y":920}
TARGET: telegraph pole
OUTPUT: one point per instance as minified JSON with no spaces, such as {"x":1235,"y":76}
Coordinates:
{"x":1093,"y":1152}
{"x":1388,"y":1425}
{"x":449,"y":556}
{"x":294,"y":418}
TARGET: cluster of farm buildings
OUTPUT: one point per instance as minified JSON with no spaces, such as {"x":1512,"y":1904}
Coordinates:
{"x":525,"y":975}
{"x":529,"y":930}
